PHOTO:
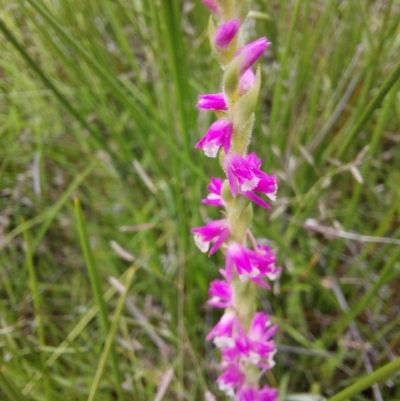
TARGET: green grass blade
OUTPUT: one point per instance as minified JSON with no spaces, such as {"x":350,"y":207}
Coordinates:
{"x":381,"y":374}
{"x":385,"y":276}
{"x":96,"y":287}
{"x":73,"y":334}
{"x":178,"y":68}
{"x":8,"y":387}
{"x":80,"y":326}
{"x":47,"y":217}
{"x":110,"y":340}
{"x":371,"y":107}
{"x":279,"y":88}
{"x":37,"y":303}
{"x":140,"y":115}
{"x":61,"y":98}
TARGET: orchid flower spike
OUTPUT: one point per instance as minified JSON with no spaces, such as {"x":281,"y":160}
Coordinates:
{"x":243,"y":336}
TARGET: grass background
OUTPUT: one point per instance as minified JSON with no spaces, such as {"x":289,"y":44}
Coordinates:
{"x":97,"y":104}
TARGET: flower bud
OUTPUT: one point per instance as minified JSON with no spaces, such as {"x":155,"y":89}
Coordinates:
{"x":250,"y":53}
{"x":213,"y":101}
{"x":247,"y":80}
{"x":225,"y":34}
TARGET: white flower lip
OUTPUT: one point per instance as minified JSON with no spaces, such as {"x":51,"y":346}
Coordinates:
{"x":211,"y":150}
{"x":202,"y":245}
{"x":250,"y":184}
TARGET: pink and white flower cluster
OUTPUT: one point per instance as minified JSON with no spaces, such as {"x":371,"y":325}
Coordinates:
{"x":243,"y":335}
{"x":241,"y":349}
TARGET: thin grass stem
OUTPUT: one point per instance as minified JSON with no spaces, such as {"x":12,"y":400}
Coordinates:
{"x":97,"y":291}
{"x":110,"y":340}
{"x":37,"y":304}
{"x":381,"y":374}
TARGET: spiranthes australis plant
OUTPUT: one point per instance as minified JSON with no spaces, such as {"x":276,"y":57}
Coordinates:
{"x":243,"y":335}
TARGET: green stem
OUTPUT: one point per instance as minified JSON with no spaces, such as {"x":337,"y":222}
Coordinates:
{"x":245,"y":301}
{"x":375,"y":377}
{"x":37,"y":308}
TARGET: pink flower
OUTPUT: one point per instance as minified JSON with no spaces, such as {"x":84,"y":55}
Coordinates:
{"x":257,"y":330}
{"x":212,"y":101}
{"x":250,"y":264}
{"x":256,"y":346}
{"x":251,"y":52}
{"x":222,"y":331}
{"x":219,"y":134}
{"x":254,"y":160}
{"x":214,"y":189}
{"x":247,"y":393}
{"x":269,"y":271}
{"x":237,"y":255}
{"x":230,"y":380}
{"x":252,"y":348}
{"x":221,"y":294}
{"x":216,"y":231}
{"x":225,"y":33}
{"x":245,"y":178}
